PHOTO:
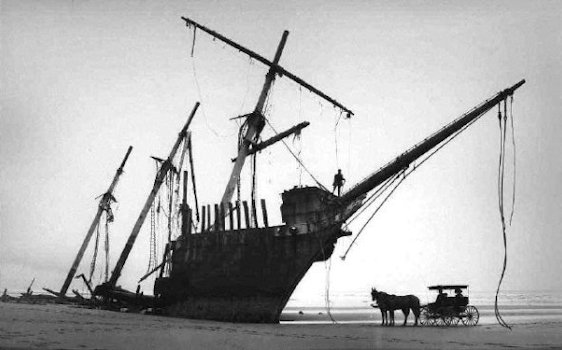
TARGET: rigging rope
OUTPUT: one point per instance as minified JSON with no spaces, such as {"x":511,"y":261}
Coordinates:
{"x":372,"y":198}
{"x":94,"y":258}
{"x":386,"y":184}
{"x":501,"y":174}
{"x":327,"y":267}
{"x":254,"y":184}
{"x":152,"y":242}
{"x":403,"y":174}
{"x":107,"y":221}
{"x":193,"y":43}
{"x":298,"y":159}
{"x":514,"y":160}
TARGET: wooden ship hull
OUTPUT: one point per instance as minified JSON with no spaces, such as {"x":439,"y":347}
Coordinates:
{"x":248,"y":275}
{"x":224,"y":270}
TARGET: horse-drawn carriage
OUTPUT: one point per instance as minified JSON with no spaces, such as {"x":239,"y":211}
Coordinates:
{"x":449,"y":310}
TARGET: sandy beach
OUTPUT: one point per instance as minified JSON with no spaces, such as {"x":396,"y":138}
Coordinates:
{"x":24,"y":326}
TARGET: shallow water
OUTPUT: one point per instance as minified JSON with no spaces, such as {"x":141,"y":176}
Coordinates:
{"x":516,"y":307}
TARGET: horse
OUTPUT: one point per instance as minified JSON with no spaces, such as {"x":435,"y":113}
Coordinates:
{"x":390,"y":302}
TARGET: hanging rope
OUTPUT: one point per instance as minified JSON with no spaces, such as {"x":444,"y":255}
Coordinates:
{"x":372,"y":198}
{"x":298,"y":137}
{"x":514,"y":161}
{"x":152,"y":243}
{"x":298,"y":159}
{"x":327,"y":267}
{"x":193,"y":42}
{"x":336,"y":139}
{"x":107,"y":221}
{"x":389,"y":182}
{"x":94,"y":258}
{"x":253,"y":218}
{"x":501,"y":175}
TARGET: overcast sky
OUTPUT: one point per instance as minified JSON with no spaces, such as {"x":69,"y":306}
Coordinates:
{"x":82,"y":80}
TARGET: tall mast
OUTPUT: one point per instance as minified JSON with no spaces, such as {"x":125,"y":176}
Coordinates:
{"x":164,"y":169}
{"x":402,"y":161}
{"x":255,"y":120}
{"x":104,"y":203}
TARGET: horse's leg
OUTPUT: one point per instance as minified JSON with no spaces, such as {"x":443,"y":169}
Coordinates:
{"x":391,"y":317}
{"x":406,"y":313}
{"x":383,"y":315}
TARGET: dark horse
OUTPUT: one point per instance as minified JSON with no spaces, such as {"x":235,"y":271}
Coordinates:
{"x":389,"y":303}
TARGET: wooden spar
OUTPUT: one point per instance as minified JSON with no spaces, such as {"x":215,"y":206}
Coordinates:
{"x":402,"y":161}
{"x":276,"y":138}
{"x":193,"y":184}
{"x":203,"y":212}
{"x":222,"y":217}
{"x":216,"y":225}
{"x":273,"y":65}
{"x":105,"y":201}
{"x":189,"y":221}
{"x":86,"y":283}
{"x":238,"y":216}
{"x":209,"y":225}
{"x":185,"y":222}
{"x":264,"y":212}
{"x":166,"y":166}
{"x":164,"y":260}
{"x":254,"y":213}
{"x":255,"y":124}
{"x":246,"y":214}
{"x":231,"y":216}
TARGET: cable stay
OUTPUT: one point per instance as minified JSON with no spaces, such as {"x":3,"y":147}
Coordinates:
{"x":400,"y":178}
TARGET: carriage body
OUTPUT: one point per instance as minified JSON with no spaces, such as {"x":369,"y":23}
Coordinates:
{"x":450,"y":310}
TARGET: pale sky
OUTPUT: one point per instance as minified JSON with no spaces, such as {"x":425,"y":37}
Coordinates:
{"x":82,"y":80}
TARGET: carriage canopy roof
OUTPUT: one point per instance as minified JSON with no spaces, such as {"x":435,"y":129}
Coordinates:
{"x":447,"y":286}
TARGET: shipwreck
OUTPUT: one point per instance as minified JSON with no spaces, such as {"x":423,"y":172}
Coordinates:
{"x":224,"y":265}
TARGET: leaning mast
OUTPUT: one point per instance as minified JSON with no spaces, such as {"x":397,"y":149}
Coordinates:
{"x":103,"y":205}
{"x":164,"y":169}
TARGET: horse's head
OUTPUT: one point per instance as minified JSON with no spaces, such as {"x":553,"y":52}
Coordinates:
{"x":374,"y":294}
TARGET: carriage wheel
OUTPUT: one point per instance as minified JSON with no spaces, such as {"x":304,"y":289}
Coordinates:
{"x":425,"y":317}
{"x":455,"y":321}
{"x":448,"y":320}
{"x":440,"y":321}
{"x":471,"y":316}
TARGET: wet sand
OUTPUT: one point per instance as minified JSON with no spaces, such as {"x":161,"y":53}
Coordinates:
{"x":25,"y":326}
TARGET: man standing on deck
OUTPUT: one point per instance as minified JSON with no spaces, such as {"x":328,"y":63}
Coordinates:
{"x":339,"y":180}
